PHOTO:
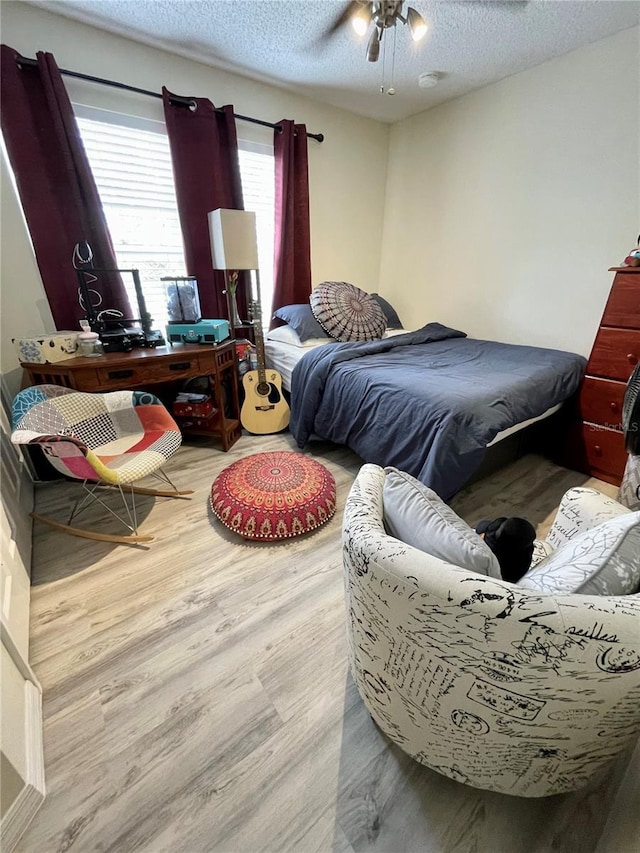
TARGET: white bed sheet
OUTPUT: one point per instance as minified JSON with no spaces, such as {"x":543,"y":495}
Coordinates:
{"x":284,"y":357}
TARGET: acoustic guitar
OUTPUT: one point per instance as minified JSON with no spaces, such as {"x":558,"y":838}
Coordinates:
{"x":264,"y":409}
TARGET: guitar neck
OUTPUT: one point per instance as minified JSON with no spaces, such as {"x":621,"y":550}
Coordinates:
{"x":262,"y":368}
{"x":256,"y":320}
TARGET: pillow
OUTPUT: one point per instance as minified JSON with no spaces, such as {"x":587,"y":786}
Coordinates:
{"x":346,"y":312}
{"x":415,"y":514}
{"x":541,"y":550}
{"x":288,"y":335}
{"x":300,"y":318}
{"x":393,"y":321}
{"x":604,"y":560}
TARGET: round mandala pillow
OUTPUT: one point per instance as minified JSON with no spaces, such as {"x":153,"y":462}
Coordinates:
{"x":274,"y":495}
{"x":347,"y":313}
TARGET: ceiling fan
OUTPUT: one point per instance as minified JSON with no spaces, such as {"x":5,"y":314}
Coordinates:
{"x":384,"y":14}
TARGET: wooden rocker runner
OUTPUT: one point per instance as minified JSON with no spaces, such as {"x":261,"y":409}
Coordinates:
{"x":105,"y":440}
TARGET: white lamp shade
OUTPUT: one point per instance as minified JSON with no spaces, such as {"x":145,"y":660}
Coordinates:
{"x":234,"y":245}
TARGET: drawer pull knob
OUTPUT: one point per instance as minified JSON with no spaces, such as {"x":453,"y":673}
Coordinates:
{"x":598,"y":450}
{"x":120,"y":374}
{"x":613,"y":407}
{"x":632,"y":358}
{"x":180,"y":365}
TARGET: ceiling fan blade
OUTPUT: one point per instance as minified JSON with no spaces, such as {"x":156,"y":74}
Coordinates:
{"x":343,"y":18}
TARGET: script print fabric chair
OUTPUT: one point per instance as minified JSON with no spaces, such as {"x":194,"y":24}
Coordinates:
{"x":112,"y":439}
{"x":493,"y":685}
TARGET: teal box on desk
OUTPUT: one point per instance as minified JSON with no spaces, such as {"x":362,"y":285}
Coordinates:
{"x":202,"y":332}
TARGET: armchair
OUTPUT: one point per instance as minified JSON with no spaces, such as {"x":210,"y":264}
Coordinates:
{"x":486,"y":682}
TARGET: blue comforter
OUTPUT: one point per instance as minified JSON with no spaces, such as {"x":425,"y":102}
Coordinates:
{"x":426,"y":402}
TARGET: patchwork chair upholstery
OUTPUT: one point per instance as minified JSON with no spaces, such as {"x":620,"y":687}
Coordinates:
{"x":489,"y":683}
{"x":115,"y":438}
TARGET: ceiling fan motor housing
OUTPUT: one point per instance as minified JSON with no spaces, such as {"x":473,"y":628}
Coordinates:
{"x":385,"y":13}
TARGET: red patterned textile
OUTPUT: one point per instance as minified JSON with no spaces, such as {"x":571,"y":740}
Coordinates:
{"x":274,"y":495}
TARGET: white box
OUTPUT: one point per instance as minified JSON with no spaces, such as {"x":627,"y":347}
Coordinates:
{"x":47,"y":349}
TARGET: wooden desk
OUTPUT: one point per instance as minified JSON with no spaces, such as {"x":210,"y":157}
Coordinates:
{"x":144,"y":368}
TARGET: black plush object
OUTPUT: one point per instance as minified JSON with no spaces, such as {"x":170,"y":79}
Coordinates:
{"x":631,"y":413}
{"x":300,"y":317}
{"x":393,"y":321}
{"x":511,"y":540}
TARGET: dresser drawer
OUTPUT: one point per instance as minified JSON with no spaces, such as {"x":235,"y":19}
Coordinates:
{"x":623,"y":306}
{"x":601,"y":400}
{"x":615,"y":353}
{"x":603,"y":451}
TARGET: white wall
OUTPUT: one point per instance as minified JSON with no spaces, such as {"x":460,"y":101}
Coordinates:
{"x":347,"y":172}
{"x":506,"y":207}
{"x":24,"y":310}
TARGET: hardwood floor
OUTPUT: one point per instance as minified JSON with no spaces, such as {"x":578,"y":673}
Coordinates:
{"x":197,"y":697}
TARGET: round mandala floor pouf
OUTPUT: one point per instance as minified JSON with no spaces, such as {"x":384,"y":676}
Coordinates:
{"x":276,"y":495}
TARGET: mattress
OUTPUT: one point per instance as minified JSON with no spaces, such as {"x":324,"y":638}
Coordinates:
{"x":284,"y":357}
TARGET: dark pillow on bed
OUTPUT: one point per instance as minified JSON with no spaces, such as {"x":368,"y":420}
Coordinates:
{"x":300,"y":318}
{"x":393,"y":321}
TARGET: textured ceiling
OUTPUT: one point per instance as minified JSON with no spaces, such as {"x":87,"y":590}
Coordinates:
{"x":470,"y":43}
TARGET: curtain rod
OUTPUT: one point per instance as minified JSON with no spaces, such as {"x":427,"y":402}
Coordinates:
{"x":24,"y":60}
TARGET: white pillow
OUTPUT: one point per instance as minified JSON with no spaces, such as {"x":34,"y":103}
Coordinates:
{"x":414,"y":514}
{"x":604,"y":560}
{"x":288,"y":335}
{"x":391,"y":333}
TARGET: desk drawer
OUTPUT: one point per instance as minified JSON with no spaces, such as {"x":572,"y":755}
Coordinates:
{"x":601,"y":401}
{"x":623,"y":306}
{"x":208,"y":361}
{"x":615,"y":353}
{"x":149,"y":371}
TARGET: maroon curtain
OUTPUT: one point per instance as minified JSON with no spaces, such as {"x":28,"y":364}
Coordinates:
{"x":206,"y":169}
{"x":56,"y":186}
{"x":292,"y":256}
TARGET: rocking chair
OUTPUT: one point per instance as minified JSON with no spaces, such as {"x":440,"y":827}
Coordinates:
{"x":105,"y":440}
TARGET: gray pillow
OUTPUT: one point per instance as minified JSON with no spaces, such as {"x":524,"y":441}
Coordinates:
{"x":414,"y":514}
{"x":393,"y":321}
{"x":300,"y":318}
{"x":604,"y":560}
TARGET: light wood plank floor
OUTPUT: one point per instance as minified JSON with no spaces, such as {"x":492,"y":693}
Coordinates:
{"x":197,"y":698}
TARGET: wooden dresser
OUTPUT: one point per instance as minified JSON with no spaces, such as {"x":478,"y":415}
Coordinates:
{"x":596,"y":444}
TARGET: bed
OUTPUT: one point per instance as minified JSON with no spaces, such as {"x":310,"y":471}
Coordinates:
{"x":428,"y":402}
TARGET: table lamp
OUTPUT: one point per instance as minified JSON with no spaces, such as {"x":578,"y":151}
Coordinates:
{"x":234,"y":247}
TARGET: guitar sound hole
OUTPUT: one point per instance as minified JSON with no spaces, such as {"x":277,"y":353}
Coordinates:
{"x":268,"y":389}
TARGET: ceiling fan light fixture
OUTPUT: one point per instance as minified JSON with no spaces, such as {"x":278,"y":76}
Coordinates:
{"x":417,"y":24}
{"x":361,"y":20}
{"x":373,"y":48}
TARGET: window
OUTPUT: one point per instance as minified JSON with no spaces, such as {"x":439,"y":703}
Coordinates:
{"x":131,"y":163}
{"x":257,"y":166}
